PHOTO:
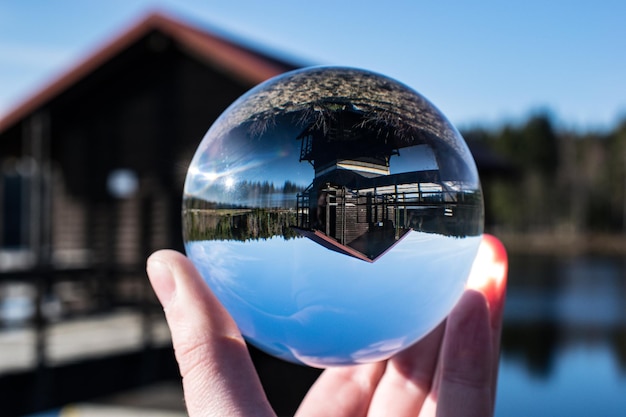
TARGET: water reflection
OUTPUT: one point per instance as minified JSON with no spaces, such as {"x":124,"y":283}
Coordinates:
{"x":288,"y":303}
{"x":584,"y":381}
{"x":564,"y":339}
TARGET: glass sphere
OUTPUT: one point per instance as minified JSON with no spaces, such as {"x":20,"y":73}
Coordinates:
{"x":335,"y":213}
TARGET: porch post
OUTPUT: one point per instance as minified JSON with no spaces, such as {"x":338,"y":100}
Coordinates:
{"x":37,"y":146}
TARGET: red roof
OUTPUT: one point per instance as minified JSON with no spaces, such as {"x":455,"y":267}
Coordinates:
{"x":241,"y":62}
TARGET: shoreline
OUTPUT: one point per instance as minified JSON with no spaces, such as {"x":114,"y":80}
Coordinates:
{"x":563,"y":244}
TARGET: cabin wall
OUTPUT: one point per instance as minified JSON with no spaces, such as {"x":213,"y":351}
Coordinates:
{"x":141,"y":113}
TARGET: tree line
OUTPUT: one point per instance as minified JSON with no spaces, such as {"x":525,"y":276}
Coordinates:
{"x":237,"y":224}
{"x":560,"y":181}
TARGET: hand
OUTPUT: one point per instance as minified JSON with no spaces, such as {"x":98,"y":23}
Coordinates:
{"x":451,"y":372}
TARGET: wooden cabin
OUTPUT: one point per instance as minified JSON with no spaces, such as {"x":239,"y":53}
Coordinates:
{"x":92,"y":166}
{"x":91,"y":177}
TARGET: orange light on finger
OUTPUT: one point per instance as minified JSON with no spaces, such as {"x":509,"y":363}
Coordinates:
{"x":489,"y":271}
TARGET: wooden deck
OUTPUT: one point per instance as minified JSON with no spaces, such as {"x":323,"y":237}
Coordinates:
{"x":80,"y":339}
{"x":88,"y":362}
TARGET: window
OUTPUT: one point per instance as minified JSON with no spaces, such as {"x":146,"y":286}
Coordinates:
{"x":15,"y":210}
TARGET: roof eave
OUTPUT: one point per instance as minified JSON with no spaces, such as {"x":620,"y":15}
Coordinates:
{"x":245,"y":64}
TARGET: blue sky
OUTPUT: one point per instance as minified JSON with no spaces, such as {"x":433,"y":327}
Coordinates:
{"x":479,"y":62}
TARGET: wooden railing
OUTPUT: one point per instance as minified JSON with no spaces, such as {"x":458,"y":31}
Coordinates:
{"x":75,"y":293}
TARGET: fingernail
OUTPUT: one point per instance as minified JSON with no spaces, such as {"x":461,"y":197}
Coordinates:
{"x":162,"y":280}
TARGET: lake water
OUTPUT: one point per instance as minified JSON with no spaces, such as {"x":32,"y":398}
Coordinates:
{"x":564,"y":340}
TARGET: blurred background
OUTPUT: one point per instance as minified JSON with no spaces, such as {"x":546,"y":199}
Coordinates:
{"x":103,"y":104}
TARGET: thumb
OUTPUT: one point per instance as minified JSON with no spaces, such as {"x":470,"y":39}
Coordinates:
{"x":218,"y":376}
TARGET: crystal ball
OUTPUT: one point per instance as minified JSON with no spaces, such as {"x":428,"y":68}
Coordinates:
{"x":335,"y":213}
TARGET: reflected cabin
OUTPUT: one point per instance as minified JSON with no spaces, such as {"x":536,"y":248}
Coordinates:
{"x":355,"y":204}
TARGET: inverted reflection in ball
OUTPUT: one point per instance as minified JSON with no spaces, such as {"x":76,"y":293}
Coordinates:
{"x":335,"y":213}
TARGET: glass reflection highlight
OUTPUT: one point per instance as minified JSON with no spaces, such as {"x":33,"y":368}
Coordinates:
{"x":336,"y":214}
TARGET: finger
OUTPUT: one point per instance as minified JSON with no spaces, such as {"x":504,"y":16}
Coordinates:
{"x":465,"y":378}
{"x":408,"y":378}
{"x":489,"y":276}
{"x":342,"y":391}
{"x":218,"y":376}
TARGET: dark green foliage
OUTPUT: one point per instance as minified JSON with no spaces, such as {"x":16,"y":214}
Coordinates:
{"x":566,"y":181}
{"x":237,"y":224}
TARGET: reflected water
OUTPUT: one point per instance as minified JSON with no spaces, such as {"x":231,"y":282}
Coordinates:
{"x":564,"y":338}
{"x":318,"y":314}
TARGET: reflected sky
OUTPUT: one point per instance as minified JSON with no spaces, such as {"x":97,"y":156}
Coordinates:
{"x":564,"y":338}
{"x":235,"y":158}
{"x":301,"y":301}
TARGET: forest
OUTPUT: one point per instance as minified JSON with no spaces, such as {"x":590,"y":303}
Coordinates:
{"x":561,"y":183}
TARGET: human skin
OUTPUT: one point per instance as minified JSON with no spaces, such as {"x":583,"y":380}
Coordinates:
{"x":450,"y":372}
